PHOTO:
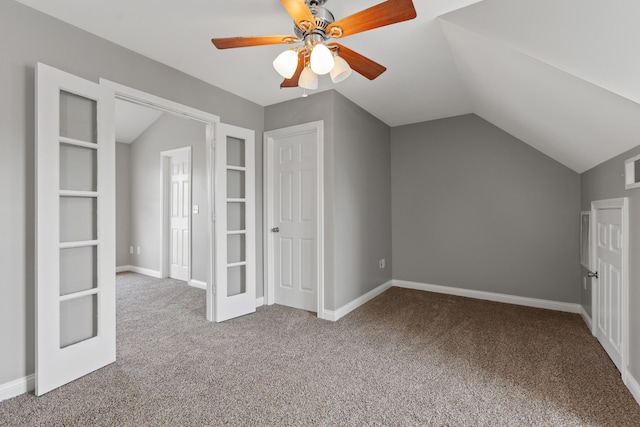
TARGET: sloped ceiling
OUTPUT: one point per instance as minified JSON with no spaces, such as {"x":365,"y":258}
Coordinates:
{"x":561,"y":76}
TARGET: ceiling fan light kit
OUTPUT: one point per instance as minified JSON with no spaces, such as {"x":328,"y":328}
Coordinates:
{"x":314,"y":26}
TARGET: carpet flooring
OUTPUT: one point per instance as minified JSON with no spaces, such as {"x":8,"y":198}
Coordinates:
{"x":405,"y":358}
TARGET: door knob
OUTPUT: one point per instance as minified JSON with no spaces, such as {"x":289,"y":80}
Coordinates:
{"x":592,"y":274}
{"x":276,"y":229}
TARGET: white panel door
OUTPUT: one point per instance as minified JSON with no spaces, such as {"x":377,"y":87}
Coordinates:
{"x":294,"y":220}
{"x":609,"y":252}
{"x":235,"y":283}
{"x":75,"y":230}
{"x":179,"y":210}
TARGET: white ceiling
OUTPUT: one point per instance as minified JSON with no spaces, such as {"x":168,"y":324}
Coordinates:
{"x":561,"y":76}
{"x":133,"y":119}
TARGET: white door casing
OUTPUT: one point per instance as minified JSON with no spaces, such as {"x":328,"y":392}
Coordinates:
{"x":610,"y":289}
{"x":75,"y":228}
{"x":235,"y":285}
{"x":179,"y":212}
{"x":294,"y":250}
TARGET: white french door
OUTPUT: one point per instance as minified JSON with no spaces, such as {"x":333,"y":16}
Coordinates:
{"x":75,"y":229}
{"x":610,"y":290}
{"x":235,"y":277}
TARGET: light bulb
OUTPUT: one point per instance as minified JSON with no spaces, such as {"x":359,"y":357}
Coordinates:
{"x":308,"y":79}
{"x":321,"y":59}
{"x":340,"y":71}
{"x":286,"y":63}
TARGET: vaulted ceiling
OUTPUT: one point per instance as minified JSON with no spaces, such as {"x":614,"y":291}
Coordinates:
{"x":563,"y":76}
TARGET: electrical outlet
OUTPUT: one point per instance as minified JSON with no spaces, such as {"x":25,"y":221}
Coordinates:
{"x":196,"y":209}
{"x":138,"y":250}
{"x":382,"y":263}
{"x":131,"y":249}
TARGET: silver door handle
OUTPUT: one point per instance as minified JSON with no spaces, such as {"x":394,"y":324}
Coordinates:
{"x":592,"y":274}
{"x":276,"y":229}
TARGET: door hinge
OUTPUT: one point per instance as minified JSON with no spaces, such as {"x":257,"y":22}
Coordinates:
{"x":213,"y":217}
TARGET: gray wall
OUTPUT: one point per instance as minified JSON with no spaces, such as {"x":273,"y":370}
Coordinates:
{"x":476,"y":208}
{"x":606,"y":181}
{"x":167,"y":133}
{"x":26,"y":37}
{"x":357,"y":191}
{"x":123,"y":204}
{"x":362,"y":212}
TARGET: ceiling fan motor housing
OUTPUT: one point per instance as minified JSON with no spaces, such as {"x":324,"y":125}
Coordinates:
{"x":323,"y":18}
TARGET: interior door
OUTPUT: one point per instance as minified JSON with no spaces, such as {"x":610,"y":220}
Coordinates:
{"x":75,"y":229}
{"x":609,"y":252}
{"x":235,"y":284}
{"x":294,"y":220}
{"x":180,"y":205}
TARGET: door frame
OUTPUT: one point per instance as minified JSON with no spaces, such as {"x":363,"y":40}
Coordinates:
{"x":268,"y":189}
{"x":165,"y":189}
{"x":623,"y":205}
{"x":211,"y":123}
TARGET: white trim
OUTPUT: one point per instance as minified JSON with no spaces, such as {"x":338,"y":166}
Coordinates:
{"x":198,"y":284}
{"x":361,"y":300}
{"x":491,"y":296}
{"x":318,"y":127}
{"x":586,"y":318}
{"x":211,"y":122}
{"x":630,"y":173}
{"x":123,"y":268}
{"x":165,"y":197}
{"x":17,"y":387}
{"x":621,"y":203}
{"x":145,"y":271}
{"x":633,"y":386}
{"x":259,"y":301}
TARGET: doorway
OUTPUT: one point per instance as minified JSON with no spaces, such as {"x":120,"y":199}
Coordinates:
{"x":610,"y":290}
{"x":176,"y":172}
{"x":294,"y":217}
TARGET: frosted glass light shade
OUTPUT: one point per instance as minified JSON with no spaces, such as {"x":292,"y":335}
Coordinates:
{"x":308,"y":79}
{"x":286,"y":63}
{"x":340,"y":71}
{"x":321,"y":59}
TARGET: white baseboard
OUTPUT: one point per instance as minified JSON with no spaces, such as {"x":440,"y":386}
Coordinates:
{"x":259,"y":301}
{"x":139,"y":270}
{"x":633,"y":386}
{"x":17,"y":387}
{"x":349,"y":307}
{"x":491,"y":296}
{"x":198,"y":284}
{"x":586,"y":318}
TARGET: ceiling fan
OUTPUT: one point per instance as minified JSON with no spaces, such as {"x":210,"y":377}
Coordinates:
{"x":312,"y":54}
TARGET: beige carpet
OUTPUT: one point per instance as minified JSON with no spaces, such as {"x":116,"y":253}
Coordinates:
{"x":405,"y":358}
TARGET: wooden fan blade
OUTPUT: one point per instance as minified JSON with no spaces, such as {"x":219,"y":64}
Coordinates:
{"x":293,"y":81}
{"x":360,"y":64}
{"x":300,"y":13}
{"x":231,"y":42}
{"x":387,"y":13}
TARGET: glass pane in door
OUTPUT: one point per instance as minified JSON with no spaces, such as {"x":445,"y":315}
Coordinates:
{"x":78,"y":269}
{"x":78,"y":117}
{"x":78,"y":168}
{"x":236,"y":248}
{"x":235,"y":184}
{"x":78,"y":320}
{"x":78,"y":219}
{"x":236,"y":280}
{"x":235,"y":152}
